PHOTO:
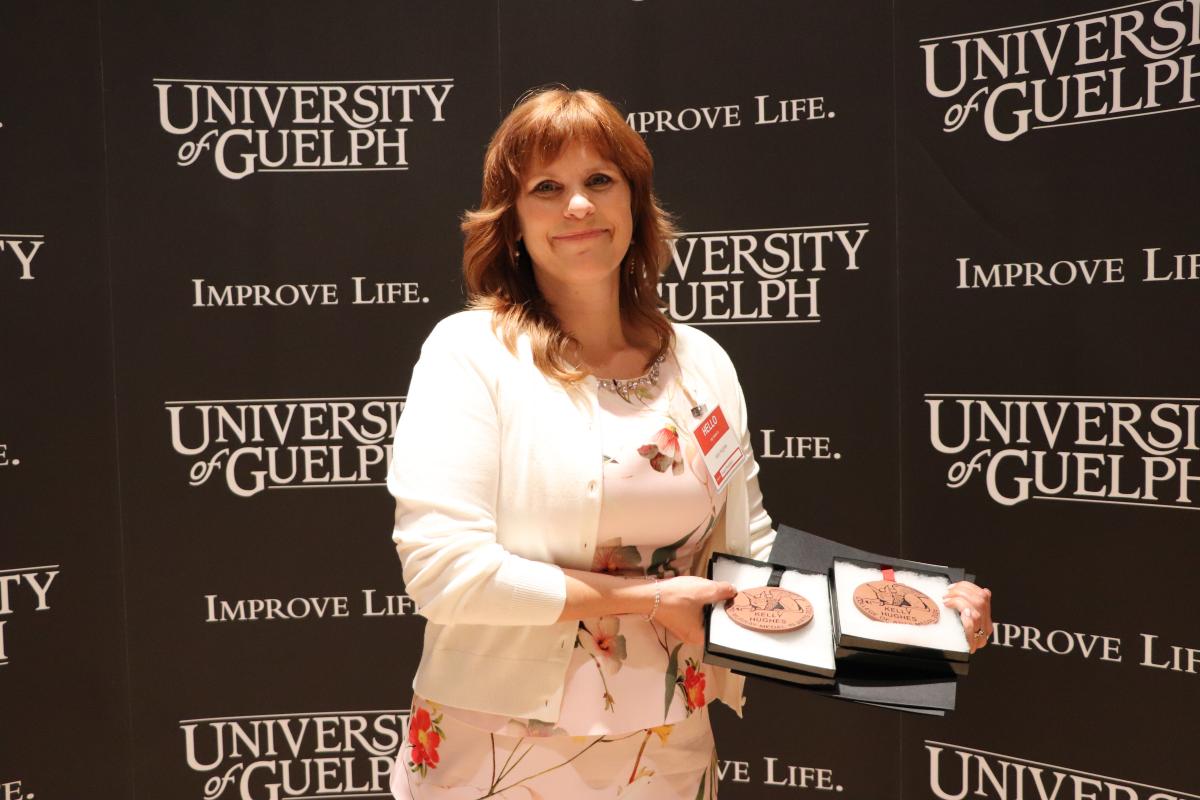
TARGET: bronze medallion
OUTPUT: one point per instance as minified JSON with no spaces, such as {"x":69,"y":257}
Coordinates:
{"x":769,"y":609}
{"x":888,"y":601}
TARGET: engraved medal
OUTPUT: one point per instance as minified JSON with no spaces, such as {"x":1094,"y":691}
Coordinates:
{"x":769,"y":609}
{"x":888,"y":601}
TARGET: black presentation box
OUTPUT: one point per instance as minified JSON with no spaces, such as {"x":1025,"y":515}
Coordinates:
{"x":814,"y":665}
{"x":915,"y":691}
{"x":874,"y":647}
{"x":803,"y":550}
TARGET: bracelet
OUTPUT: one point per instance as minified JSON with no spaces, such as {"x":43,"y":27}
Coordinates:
{"x":657,"y":600}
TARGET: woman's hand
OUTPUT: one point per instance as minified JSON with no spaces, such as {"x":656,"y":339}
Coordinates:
{"x":974,"y":607}
{"x":681,"y":609}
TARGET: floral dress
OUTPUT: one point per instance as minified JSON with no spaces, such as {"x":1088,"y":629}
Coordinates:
{"x":634,"y":717}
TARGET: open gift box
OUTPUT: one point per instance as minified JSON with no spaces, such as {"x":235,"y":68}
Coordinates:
{"x":895,"y":618}
{"x":780,"y":636}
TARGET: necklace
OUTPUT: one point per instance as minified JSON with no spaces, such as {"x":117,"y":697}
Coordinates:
{"x":635,"y":386}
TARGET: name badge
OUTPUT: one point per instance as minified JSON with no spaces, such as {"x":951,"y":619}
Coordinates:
{"x":721,"y":449}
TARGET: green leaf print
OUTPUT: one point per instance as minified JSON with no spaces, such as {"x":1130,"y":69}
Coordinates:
{"x":663,"y":556}
{"x":672,"y":677}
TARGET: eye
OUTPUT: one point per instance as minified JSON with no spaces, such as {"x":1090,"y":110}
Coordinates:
{"x":600,"y":179}
{"x":545,"y":187}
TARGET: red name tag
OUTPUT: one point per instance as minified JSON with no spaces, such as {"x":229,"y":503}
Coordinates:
{"x":711,"y":430}
{"x":720,"y":448}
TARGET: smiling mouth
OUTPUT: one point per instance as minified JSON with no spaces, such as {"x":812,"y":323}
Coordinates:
{"x":576,"y":237}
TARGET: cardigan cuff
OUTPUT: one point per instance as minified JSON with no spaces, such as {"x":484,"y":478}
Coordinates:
{"x":539,"y":590}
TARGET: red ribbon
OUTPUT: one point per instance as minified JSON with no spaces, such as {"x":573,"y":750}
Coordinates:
{"x":889,"y":574}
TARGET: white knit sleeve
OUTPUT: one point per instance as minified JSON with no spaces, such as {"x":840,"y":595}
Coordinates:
{"x":444,"y":476}
{"x":762,"y":532}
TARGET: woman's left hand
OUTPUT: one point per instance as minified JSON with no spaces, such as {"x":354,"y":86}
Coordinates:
{"x":974,"y":606}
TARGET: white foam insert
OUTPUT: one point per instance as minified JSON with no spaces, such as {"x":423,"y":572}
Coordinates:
{"x":811,"y":645}
{"x":945,"y":634}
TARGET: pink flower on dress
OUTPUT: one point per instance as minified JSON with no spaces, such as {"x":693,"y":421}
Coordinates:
{"x":606,"y":647}
{"x":664,"y":451}
{"x":616,"y":559}
{"x":606,"y":644}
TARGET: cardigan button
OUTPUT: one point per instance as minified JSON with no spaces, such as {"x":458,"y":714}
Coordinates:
{"x":591,"y":486}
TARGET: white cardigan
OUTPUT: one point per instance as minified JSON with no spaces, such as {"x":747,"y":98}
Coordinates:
{"x":497,"y":475}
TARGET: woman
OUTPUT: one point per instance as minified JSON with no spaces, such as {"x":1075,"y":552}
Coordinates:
{"x":552,"y":508}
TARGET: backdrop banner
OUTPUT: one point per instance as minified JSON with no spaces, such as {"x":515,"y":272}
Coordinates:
{"x":1049,"y":278}
{"x":63,"y":690}
{"x":951,"y":248}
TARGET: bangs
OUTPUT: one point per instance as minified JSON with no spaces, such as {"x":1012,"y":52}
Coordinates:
{"x":562,"y":118}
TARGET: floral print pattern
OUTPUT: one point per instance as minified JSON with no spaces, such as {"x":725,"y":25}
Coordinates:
{"x":635,"y":697}
{"x":692,"y":684}
{"x":613,"y":558}
{"x":605,"y":643}
{"x":606,"y":647}
{"x":664,"y":451}
{"x":537,"y":729}
{"x":662,"y":762}
{"x":424,"y":735}
{"x":666,"y":454}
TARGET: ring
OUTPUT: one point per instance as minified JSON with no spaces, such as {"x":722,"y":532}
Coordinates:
{"x":981,"y":633}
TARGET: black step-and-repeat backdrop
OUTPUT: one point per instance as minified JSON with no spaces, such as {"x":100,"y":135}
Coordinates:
{"x":952,"y":248}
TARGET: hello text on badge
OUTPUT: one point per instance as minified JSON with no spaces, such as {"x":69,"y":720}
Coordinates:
{"x":720,"y":448}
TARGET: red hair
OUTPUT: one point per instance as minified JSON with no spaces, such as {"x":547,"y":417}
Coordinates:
{"x":499,"y":274}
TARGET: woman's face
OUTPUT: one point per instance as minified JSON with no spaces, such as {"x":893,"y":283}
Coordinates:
{"x":575,"y":218}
